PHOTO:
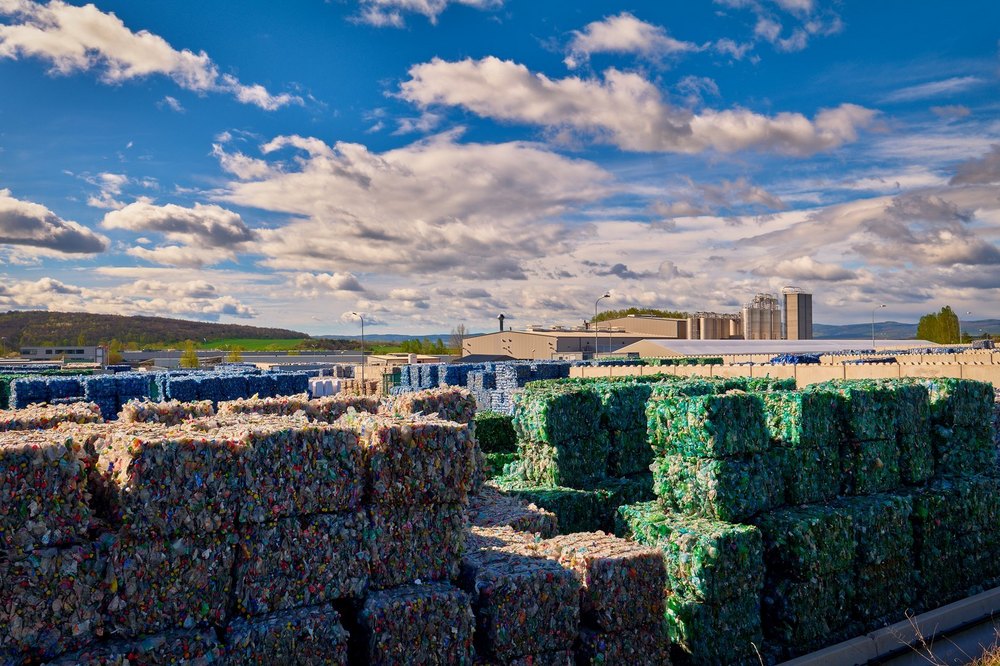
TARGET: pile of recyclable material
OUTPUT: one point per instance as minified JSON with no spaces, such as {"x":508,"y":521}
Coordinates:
{"x":418,"y":542}
{"x":182,"y":388}
{"x":803,"y":419}
{"x":491,"y":509}
{"x":449,"y":404}
{"x":417,"y":624}
{"x":524,"y":603}
{"x":168,"y":413}
{"x":274,"y":405}
{"x":883,"y":592}
{"x":728,"y":489}
{"x":158,"y":584}
{"x":802,"y":615}
{"x":40,"y":417}
{"x":641,"y":646}
{"x":709,"y":426}
{"x":43,"y":488}
{"x":629,"y":452}
{"x":868,"y":408}
{"x":331,"y":408}
{"x":495,"y":432}
{"x":709,"y":634}
{"x":959,"y":402}
{"x":869,"y":467}
{"x":311,"y":636}
{"x":576,"y":510}
{"x":808,"y":541}
{"x":170,"y":647}
{"x":617,"y":492}
{"x":263,"y":385}
{"x":301,"y":561}
{"x":794,"y":359}
{"x":52,"y":601}
{"x":963,"y":450}
{"x":809,"y":475}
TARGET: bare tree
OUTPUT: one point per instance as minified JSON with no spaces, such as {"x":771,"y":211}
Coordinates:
{"x":458,"y":337}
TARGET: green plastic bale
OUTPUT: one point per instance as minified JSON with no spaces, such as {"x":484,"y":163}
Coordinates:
{"x":869,"y":467}
{"x":868,"y":407}
{"x":916,"y":457}
{"x":496,"y":463}
{"x":963,"y":450}
{"x":710,"y":634}
{"x":558,"y":414}
{"x":706,"y":560}
{"x":690,"y":387}
{"x":576,"y":463}
{"x":807,"y":542}
{"x":575,"y":510}
{"x":802,"y":614}
{"x":612,"y":494}
{"x":810,"y":475}
{"x":954,"y":506}
{"x":883,"y":592}
{"x":944,"y":575}
{"x":629,"y":452}
{"x":964,"y":402}
{"x":758,"y":384}
{"x":913,"y":406}
{"x":882,"y":527}
{"x":730,"y":489}
{"x":711,"y":426}
{"x":623,"y":405}
{"x":803,"y":419}
{"x":495,"y":432}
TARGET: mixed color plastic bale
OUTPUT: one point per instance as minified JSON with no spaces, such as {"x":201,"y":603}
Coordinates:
{"x":710,"y":426}
{"x":426,"y":624}
{"x":172,"y":412}
{"x":640,"y":646}
{"x":803,"y":615}
{"x":194,"y":647}
{"x":450,"y":404}
{"x":727,"y":489}
{"x":413,"y":543}
{"x":44,"y":499}
{"x":159,"y":584}
{"x":285,"y":405}
{"x":301,"y":562}
{"x":43,"y":417}
{"x":705,"y":560}
{"x":312,"y":636}
{"x":51,"y":601}
{"x":492,"y":508}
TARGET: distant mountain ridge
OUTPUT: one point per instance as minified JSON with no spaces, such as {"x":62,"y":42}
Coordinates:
{"x":894,"y":330}
{"x":39,"y":327}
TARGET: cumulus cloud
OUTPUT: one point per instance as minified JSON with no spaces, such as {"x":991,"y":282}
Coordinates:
{"x":435,"y":207}
{"x":979,"y":171}
{"x":624,"y":33}
{"x":110,"y":185}
{"x":389,"y":13}
{"x":807,"y":21}
{"x":729,"y":197}
{"x":318,"y":284}
{"x":623,"y":109}
{"x":208,"y":225}
{"x":72,"y":38}
{"x":805,"y":268}
{"x":23,"y":223}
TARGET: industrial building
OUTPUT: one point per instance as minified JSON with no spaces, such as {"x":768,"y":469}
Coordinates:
{"x":547,"y":344}
{"x":798,"y":310}
{"x":762,"y":318}
{"x":76,"y":354}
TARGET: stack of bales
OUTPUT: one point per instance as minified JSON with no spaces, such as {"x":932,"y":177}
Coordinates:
{"x":43,"y":417}
{"x":497,"y":440}
{"x":171,"y":412}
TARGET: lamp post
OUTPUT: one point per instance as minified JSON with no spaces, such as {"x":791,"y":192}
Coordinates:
{"x":960,"y":338}
{"x":363,"y":389}
{"x":873,"y":324}
{"x":606,"y":295}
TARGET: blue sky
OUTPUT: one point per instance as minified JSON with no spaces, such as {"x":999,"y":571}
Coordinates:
{"x":436,"y":162}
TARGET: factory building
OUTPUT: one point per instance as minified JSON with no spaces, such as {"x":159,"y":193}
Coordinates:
{"x":798,"y":309}
{"x":550,"y":344}
{"x":762,"y":318}
{"x":714,"y":326}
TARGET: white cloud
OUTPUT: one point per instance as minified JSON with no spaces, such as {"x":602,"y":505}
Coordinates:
{"x":27,"y":224}
{"x":171,"y":103}
{"x":807,"y":22}
{"x":950,"y":111}
{"x":955,"y":84}
{"x":805,"y":268}
{"x":389,"y":13}
{"x":624,"y":33}
{"x":623,"y":109}
{"x":83,"y":38}
{"x":980,"y":171}
{"x":209,"y":225}
{"x":110,"y":185}
{"x":313,"y":285}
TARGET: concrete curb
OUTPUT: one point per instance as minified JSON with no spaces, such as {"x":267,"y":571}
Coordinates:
{"x":887,"y":642}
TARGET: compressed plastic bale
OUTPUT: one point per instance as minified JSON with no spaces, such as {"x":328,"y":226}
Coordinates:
{"x":959,"y":402}
{"x":491,"y":508}
{"x":576,"y":510}
{"x":913,"y":407}
{"x":26,"y":391}
{"x":963,"y":450}
{"x":232,"y":386}
{"x":810,"y":475}
{"x":694,"y":386}
{"x":100,"y":386}
{"x":495,"y":463}
{"x":43,"y":417}
{"x":131,"y":386}
{"x":624,"y":490}
{"x":730,"y":489}
{"x":869,"y":408}
{"x":802,"y":614}
{"x":425,"y":624}
{"x":286,"y":405}
{"x":809,"y":541}
{"x":301,"y":562}
{"x":414,"y":460}
{"x":712,"y":426}
{"x":557,"y":415}
{"x":172,"y":412}
{"x":312,"y":636}
{"x":159,"y":584}
{"x":629,"y":452}
{"x":705,"y":560}
{"x":331,"y":408}
{"x":573,"y":463}
{"x":450,"y":404}
{"x":710,"y":634}
{"x":495,"y":432}
{"x":623,"y":405}
{"x":554,"y":658}
{"x":881,"y":525}
{"x":193,"y":647}
{"x":291,"y":383}
{"x":262,"y":385}
{"x":916,"y":457}
{"x":182,"y":388}
{"x":951,"y":506}
{"x":869,"y":467}
{"x":638,"y":646}
{"x":170,"y":480}
{"x":524,"y":603}
{"x":413,"y":543}
{"x":622,"y":582}
{"x":803,"y":419}
{"x":51,"y":601}
{"x":884,"y":592}
{"x":296,"y":467}
{"x":44,"y":498}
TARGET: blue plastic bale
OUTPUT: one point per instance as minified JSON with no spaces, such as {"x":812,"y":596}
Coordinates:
{"x":405,"y":376}
{"x":109,"y":407}
{"x":182,"y":388}
{"x":25,"y":391}
{"x":263,"y":385}
{"x":65,"y":387}
{"x":210,"y":388}
{"x":131,"y":386}
{"x":291,"y":383}
{"x":99,"y":387}
{"x":233,"y":386}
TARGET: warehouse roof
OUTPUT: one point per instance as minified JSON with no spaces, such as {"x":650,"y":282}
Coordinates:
{"x":724,"y":347}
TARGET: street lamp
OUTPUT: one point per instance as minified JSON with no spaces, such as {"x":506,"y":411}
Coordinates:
{"x":873,"y":324}
{"x":364,"y":390}
{"x":960,"y":338}
{"x":606,"y":295}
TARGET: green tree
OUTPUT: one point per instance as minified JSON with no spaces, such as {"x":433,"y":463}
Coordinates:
{"x":81,"y":340}
{"x":439,"y":347}
{"x":115,"y":352}
{"x":235,"y":354}
{"x":189,"y":359}
{"x":940,"y":327}
{"x":615,"y":314}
